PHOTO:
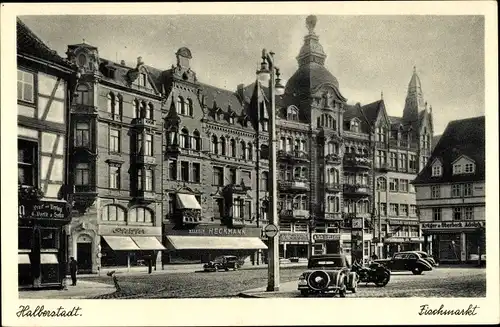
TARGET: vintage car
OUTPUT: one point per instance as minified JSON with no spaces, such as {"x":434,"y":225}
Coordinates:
{"x":426,"y":256}
{"x":328,"y":274}
{"x":406,"y":261}
{"x":223,"y":262}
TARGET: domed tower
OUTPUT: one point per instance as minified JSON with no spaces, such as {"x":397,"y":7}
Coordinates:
{"x":312,"y":86}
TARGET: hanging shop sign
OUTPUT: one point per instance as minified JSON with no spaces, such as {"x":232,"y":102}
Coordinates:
{"x":453,"y":224}
{"x":293,"y":237}
{"x":44,"y":210}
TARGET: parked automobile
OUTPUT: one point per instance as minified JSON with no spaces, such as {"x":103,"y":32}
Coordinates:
{"x":427,"y":257}
{"x":406,"y":261}
{"x":475,"y":258}
{"x":223,"y":262}
{"x":329,"y":273}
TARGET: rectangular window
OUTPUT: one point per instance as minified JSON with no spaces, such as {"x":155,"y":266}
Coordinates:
{"x":172,"y":170}
{"x":413,"y":210}
{"x":114,"y":140}
{"x":435,"y":192}
{"x":82,"y":173}
{"x":139,"y":179}
{"x":25,"y":86}
{"x":469,"y":168}
{"x":402,"y":162}
{"x":248,"y":210}
{"x":148,"y":185}
{"x":218,"y":176}
{"x":436,"y":170}
{"x":246,"y":176}
{"x":457,"y":169}
{"x":232,"y":175}
{"x":82,"y":134}
{"x":393,"y":185}
{"x":185,"y":171}
{"x":394,"y":210}
{"x":457,"y":213}
{"x":383,"y":209}
{"x":469,"y":213}
{"x":403,"y":209}
{"x":413,"y":162}
{"x":403,"y":183}
{"x":394,"y":160}
{"x":196,"y":172}
{"x":27,"y":162}
{"x":114,"y":177}
{"x":300,"y":227}
{"x":467,"y":189}
{"x":436,"y":214}
{"x":148,"y":145}
{"x":456,"y":190}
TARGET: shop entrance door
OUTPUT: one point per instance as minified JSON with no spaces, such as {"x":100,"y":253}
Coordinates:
{"x":84,"y":257}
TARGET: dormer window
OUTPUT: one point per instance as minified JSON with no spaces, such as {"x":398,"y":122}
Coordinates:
{"x":437,"y":170}
{"x":142,"y":79}
{"x":469,"y":168}
{"x":354,"y":125}
{"x":292,"y":113}
{"x":231,"y":119}
{"x":457,"y":169}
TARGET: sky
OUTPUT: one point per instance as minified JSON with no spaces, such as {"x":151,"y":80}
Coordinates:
{"x":367,"y":54}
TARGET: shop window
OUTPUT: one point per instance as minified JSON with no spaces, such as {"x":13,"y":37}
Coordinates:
{"x":24,"y":238}
{"x":48,"y":238}
{"x":25,"y":86}
{"x":27,"y":166}
{"x":112,"y":213}
{"x":140,"y":215}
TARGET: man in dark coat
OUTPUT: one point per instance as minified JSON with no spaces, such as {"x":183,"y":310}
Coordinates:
{"x":73,"y":268}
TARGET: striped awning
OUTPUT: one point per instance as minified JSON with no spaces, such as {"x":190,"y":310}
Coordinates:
{"x":214,"y":243}
{"x":187,"y":201}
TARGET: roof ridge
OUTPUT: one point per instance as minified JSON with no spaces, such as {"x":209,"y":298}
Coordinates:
{"x":19,"y":21}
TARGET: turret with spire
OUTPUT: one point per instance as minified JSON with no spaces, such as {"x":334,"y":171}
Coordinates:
{"x":414,"y":99}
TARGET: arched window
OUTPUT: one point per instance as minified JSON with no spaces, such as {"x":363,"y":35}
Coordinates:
{"x":190,"y":107}
{"x":354,"y":125}
{"x":184,"y":138}
{"x":292,"y":113}
{"x":250,"y":151}
{"x":112,"y":213}
{"x":288,"y":144}
{"x":264,"y":181}
{"x":111,"y":103}
{"x":232,"y":148}
{"x":215,"y":145}
{"x":180,"y":106}
{"x":381,"y":184}
{"x":333,"y":176}
{"x":332,"y":148}
{"x":222,"y":146}
{"x":140,"y":215}
{"x":197,"y":140}
{"x":333,"y":204}
{"x":243,"y":150}
{"x":151,"y":111}
{"x":296,"y":145}
{"x":144,"y":109}
{"x":83,"y":95}
{"x":136,"y":113}
{"x":303,"y":172}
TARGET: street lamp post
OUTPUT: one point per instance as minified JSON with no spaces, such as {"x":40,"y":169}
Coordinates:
{"x":269,"y":72}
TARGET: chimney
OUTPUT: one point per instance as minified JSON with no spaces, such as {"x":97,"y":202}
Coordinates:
{"x":139,"y":61}
{"x":122,"y":62}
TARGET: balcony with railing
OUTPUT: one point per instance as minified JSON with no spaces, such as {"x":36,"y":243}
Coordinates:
{"x":145,"y":196}
{"x":84,"y":197}
{"x":143,"y":122}
{"x":293,"y":156}
{"x":333,"y":187}
{"x":145,"y":159}
{"x":356,"y":190}
{"x":294,"y":214}
{"x":383,"y":167}
{"x":298,"y":185}
{"x":332,"y":158}
{"x":357,"y":161}
{"x":84,"y":109}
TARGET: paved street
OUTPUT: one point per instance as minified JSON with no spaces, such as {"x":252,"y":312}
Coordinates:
{"x":442,"y":282}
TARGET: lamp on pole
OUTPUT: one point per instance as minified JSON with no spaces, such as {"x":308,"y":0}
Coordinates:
{"x":270,"y":73}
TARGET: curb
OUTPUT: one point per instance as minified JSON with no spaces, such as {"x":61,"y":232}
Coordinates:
{"x":248,"y":296}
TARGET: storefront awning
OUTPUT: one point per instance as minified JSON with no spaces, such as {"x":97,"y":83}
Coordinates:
{"x":187,"y":201}
{"x":148,"y":243}
{"x":214,"y":243}
{"x":121,"y":243}
{"x":23,"y":259}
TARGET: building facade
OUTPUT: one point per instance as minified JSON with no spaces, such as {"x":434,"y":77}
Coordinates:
{"x":115,"y":163}
{"x":451,"y":194}
{"x":44,"y":83}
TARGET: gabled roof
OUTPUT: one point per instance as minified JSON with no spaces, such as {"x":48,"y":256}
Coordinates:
{"x":371,"y":111}
{"x":435,"y":140}
{"x":461,"y":137}
{"x":120,"y":74}
{"x":28,"y":43}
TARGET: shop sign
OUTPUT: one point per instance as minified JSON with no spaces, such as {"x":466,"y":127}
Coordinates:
{"x":403,"y":240}
{"x":216,"y":231}
{"x":453,"y":224}
{"x":129,"y":231}
{"x":44,"y":210}
{"x":326,"y":236}
{"x":294,"y":237}
{"x":403,"y":222}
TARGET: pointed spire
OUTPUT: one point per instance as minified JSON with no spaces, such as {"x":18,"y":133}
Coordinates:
{"x":381,"y":95}
{"x":414,"y":69}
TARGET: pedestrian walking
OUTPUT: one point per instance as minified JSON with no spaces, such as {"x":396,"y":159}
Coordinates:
{"x":73,"y":268}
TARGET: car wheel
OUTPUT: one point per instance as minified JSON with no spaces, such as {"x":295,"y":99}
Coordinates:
{"x":226,"y":269}
{"x":342,"y":292}
{"x":416,"y":271}
{"x":382,"y":281}
{"x":304,"y":293}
